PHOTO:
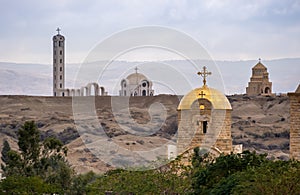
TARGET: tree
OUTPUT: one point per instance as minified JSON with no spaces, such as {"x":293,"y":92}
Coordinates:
{"x":39,"y":159}
{"x":4,"y":154}
{"x":26,"y":185}
{"x":212,"y":175}
{"x":81,"y":183}
{"x":273,"y":177}
{"x":29,"y":143}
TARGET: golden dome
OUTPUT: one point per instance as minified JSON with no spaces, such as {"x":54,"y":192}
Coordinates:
{"x":217,"y":99}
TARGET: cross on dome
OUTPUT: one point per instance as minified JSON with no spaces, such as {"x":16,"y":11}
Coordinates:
{"x":204,"y":73}
{"x":202,"y":94}
{"x":58,"y":30}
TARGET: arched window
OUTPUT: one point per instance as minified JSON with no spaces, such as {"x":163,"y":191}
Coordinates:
{"x":267,"y":90}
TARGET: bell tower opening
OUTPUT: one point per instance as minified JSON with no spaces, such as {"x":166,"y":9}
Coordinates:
{"x":204,"y":127}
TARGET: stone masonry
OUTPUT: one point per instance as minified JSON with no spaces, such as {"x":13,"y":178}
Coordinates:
{"x":295,"y":124}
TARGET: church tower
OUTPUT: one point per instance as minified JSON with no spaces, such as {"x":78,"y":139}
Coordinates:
{"x":204,"y":120}
{"x":58,"y":64}
{"x":259,"y":82}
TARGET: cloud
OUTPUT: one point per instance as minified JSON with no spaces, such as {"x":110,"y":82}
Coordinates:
{"x":228,"y":29}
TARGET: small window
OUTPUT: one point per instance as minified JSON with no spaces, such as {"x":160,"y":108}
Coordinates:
{"x":54,"y":60}
{"x":60,"y":52}
{"x":54,"y":77}
{"x":60,"y":60}
{"x":60,"y":85}
{"x":204,"y":126}
{"x":54,"y":52}
{"x":60,"y":77}
{"x":54,"y":68}
{"x":60,"y":68}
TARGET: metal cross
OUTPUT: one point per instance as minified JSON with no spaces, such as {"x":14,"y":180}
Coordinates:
{"x":58,"y":29}
{"x":202,"y":94}
{"x":204,"y":74}
{"x":136,"y":69}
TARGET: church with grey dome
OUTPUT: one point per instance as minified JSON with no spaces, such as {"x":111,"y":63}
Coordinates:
{"x":136,"y":84}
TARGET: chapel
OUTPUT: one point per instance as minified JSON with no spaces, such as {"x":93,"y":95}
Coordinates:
{"x":136,"y":84}
{"x":259,"y":82}
{"x":204,"y":120}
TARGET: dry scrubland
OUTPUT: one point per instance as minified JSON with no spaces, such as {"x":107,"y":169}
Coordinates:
{"x":259,"y":123}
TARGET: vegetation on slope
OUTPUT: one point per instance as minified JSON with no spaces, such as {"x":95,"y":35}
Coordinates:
{"x":40,"y":167}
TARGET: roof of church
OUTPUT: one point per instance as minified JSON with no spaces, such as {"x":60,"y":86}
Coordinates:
{"x":298,"y":89}
{"x":135,"y":78}
{"x":217,"y":98}
{"x":259,"y":65}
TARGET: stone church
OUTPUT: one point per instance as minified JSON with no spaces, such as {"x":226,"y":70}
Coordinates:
{"x":204,"y":120}
{"x":259,"y":82}
{"x":295,"y":124}
{"x":136,"y":84}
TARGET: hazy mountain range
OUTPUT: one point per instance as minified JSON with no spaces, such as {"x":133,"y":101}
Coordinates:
{"x":169,"y":76}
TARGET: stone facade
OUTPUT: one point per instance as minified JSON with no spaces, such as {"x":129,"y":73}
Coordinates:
{"x":259,"y":82}
{"x":204,"y":120}
{"x":295,"y":124}
{"x":136,"y":84}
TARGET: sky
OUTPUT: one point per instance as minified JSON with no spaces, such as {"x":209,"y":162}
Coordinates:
{"x":228,"y":30}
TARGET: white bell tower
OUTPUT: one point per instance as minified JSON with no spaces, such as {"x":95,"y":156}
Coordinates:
{"x":58,"y":64}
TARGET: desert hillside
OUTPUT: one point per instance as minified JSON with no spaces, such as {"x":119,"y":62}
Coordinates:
{"x":259,"y":123}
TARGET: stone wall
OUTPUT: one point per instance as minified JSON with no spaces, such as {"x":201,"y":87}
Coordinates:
{"x":218,"y":135}
{"x":294,"y":125}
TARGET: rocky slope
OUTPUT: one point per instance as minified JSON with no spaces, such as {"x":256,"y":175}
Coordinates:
{"x":259,"y":123}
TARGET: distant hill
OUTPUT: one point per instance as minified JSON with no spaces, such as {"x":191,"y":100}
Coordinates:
{"x":36,"y":79}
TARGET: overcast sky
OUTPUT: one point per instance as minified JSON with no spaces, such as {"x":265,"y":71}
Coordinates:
{"x":229,"y":30}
